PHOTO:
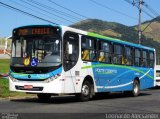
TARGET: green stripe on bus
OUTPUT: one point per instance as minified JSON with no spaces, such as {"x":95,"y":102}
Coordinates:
{"x":103,"y":37}
{"x":118,"y":66}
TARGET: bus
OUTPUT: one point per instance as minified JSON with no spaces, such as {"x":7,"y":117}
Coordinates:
{"x":58,"y":60}
{"x":157,"y":75}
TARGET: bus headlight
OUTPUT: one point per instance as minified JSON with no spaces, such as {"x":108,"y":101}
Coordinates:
{"x":49,"y":79}
{"x":13,"y":79}
{"x":52,"y":78}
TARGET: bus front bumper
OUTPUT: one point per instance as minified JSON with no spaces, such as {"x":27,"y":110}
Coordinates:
{"x":54,"y":87}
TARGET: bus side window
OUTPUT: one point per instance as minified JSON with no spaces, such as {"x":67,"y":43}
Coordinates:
{"x":118,"y":55}
{"x":104,"y":52}
{"x":127,"y":59}
{"x":144,"y":58}
{"x":137,"y":57}
{"x":151,"y":59}
{"x":85,"y":54}
{"x":88,"y":50}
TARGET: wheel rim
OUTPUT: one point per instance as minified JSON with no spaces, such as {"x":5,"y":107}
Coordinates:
{"x":135,"y":88}
{"x":85,"y":90}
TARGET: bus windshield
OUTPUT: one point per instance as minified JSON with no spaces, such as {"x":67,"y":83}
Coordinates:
{"x":36,"y":51}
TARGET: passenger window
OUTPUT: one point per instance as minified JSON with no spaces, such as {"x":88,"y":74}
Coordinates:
{"x":104,"y":52}
{"x":151,"y":57}
{"x":127,"y":59}
{"x":137,"y":57}
{"x":88,"y":48}
{"x":117,"y":57}
{"x":144,"y":58}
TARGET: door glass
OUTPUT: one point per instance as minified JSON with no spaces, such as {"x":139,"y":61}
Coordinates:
{"x":71,"y":50}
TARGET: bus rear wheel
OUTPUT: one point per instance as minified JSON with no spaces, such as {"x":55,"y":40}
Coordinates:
{"x":44,"y":97}
{"x":85,"y":92}
{"x":136,"y":88}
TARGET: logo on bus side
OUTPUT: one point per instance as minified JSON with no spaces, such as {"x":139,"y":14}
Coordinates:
{"x":106,"y":71}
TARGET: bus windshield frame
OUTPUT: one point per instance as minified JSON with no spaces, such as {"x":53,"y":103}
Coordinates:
{"x":36,"y":52}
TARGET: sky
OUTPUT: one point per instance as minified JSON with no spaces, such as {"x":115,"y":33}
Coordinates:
{"x":11,"y":19}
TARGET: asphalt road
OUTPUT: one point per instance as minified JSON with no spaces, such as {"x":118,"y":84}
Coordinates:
{"x":68,"y":106}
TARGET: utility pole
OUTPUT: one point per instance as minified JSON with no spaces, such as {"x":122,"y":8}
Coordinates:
{"x":139,"y":26}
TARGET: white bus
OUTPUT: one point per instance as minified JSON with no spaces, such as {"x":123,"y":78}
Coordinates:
{"x":48,"y":60}
{"x":157,"y":75}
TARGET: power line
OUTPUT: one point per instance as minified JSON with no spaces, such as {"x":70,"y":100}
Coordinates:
{"x":134,"y":4}
{"x":151,"y":9}
{"x":26,"y":13}
{"x":54,"y":10}
{"x":47,"y":11}
{"x":51,"y":1}
{"x":116,"y":11}
{"x":32,"y":9}
{"x":153,"y":12}
{"x":148,"y":7}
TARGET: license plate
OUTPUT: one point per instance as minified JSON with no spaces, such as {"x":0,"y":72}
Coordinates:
{"x":28,"y":86}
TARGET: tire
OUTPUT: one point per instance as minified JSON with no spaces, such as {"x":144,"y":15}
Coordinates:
{"x":136,"y":88}
{"x":44,"y":97}
{"x":85,"y":94}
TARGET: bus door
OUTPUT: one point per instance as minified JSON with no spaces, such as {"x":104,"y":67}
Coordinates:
{"x":70,"y":59}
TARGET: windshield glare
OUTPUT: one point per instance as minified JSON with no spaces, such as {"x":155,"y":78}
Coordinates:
{"x":40,"y":52}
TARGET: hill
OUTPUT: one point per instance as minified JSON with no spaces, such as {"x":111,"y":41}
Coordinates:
{"x":111,"y":29}
{"x":153,"y":30}
{"x":123,"y":32}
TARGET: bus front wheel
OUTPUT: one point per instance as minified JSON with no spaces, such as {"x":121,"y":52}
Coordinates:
{"x":43,"y":97}
{"x":85,"y":92}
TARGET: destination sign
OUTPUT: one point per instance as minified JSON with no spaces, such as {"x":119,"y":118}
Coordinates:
{"x":33,"y":31}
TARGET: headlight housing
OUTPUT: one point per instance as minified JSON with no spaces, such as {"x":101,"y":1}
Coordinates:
{"x":52,"y":78}
{"x":13,"y":79}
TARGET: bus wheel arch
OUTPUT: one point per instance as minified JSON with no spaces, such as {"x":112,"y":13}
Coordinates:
{"x":136,"y":78}
{"x":87,"y":89}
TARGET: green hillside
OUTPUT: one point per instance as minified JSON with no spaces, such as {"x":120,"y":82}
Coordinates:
{"x":108,"y":29}
{"x":153,"y":31}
